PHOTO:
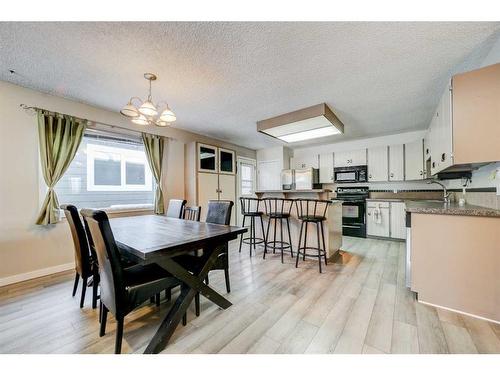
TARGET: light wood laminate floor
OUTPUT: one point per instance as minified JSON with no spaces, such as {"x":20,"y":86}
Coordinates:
{"x":358,"y":305}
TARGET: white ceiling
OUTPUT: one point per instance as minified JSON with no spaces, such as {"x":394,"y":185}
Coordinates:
{"x":220,"y":78}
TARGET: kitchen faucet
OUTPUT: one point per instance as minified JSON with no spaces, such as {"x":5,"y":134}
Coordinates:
{"x":446,"y":194}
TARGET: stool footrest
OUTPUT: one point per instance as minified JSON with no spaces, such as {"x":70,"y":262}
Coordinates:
{"x":248,"y":240}
{"x":278,"y":245}
{"x":302,"y":251}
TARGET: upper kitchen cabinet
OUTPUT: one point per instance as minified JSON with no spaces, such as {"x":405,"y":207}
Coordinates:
{"x":396,"y":163}
{"x":227,"y":164}
{"x":464,"y":132}
{"x":305,"y":161}
{"x":414,"y":160}
{"x":378,"y":164}
{"x":326,"y":168}
{"x":207,"y":158}
{"x":350,"y":158}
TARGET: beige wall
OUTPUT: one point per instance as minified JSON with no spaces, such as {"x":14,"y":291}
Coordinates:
{"x":25,"y":247}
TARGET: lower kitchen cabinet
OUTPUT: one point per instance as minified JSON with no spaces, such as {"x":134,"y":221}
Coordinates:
{"x":386,"y":219}
{"x":377,"y":220}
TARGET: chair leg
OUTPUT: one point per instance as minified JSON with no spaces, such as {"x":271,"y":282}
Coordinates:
{"x":157,"y":299}
{"x":100,"y":311}
{"x":104,"y":316}
{"x":323,"y":238}
{"x":251,"y":234}
{"x":319,"y":246}
{"x":281,"y":239}
{"x":305,"y":241}
{"x":274,"y":237}
{"x":253,"y":229}
{"x":226,"y":275}
{"x":75,"y":285}
{"x":197,"y":304}
{"x":262,"y":228}
{"x":241,"y":238}
{"x":289,"y":236}
{"x":298,"y":249}
{"x":119,"y":335}
{"x":184,"y":319}
{"x":206,"y":280}
{"x":95,"y":286}
{"x":84,"y":289}
{"x":266,"y":237}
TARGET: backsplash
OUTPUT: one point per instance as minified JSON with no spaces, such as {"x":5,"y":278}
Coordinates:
{"x":483,"y":199}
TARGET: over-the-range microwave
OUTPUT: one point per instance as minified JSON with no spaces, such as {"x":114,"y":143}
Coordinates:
{"x":357,"y":173}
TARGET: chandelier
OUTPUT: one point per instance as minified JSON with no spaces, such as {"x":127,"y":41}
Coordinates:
{"x":146,"y":112}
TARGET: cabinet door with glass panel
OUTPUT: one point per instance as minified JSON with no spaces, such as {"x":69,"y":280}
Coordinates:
{"x":226,"y":161}
{"x":207,"y":158}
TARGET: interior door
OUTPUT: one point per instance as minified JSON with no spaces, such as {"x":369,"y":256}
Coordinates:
{"x":246,"y":183}
{"x":227,"y":191}
{"x":208,"y":188}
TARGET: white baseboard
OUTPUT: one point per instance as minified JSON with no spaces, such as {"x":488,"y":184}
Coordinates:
{"x":34,"y":274}
{"x":459,"y":312}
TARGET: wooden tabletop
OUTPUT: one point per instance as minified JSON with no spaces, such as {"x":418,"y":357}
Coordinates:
{"x":150,"y":236}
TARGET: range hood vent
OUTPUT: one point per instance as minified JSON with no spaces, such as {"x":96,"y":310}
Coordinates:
{"x":307,"y":123}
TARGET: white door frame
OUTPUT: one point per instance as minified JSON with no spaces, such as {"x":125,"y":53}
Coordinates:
{"x":239,"y":160}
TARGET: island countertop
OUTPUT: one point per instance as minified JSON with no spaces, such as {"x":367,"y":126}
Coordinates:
{"x":453,"y":208}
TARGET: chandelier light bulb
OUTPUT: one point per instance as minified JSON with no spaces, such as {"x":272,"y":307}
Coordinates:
{"x":140,"y":120}
{"x":130,"y":110}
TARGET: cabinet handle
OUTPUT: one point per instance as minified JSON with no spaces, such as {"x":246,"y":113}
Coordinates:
{"x":421,"y":173}
{"x":443,"y":156}
{"x":433,"y":164}
{"x":369,"y":176}
{"x":426,"y":150}
{"x":392,"y":174}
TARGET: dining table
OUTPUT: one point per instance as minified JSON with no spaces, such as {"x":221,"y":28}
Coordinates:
{"x":159,"y":239}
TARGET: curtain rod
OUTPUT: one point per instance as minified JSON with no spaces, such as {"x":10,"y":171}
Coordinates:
{"x":93,"y":123}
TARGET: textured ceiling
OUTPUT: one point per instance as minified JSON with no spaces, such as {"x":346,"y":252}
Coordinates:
{"x":220,"y":78}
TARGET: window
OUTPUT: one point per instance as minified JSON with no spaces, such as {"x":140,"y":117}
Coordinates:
{"x":110,"y":172}
{"x":117,"y":168}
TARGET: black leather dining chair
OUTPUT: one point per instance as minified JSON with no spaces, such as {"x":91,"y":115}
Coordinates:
{"x":176,"y":208}
{"x":122,"y":289}
{"x":218,"y":212}
{"x":85,"y":260}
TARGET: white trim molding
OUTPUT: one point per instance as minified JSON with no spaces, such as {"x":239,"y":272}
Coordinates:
{"x":34,"y":274}
{"x":459,"y":312}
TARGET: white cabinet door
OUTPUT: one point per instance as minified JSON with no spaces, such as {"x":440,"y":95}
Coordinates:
{"x":376,"y":227}
{"x":342,"y":159}
{"x":396,"y":163}
{"x":269,"y":175}
{"x":378,"y":164}
{"x":326,"y":168}
{"x":305,"y":161}
{"x":350,"y":158}
{"x":208,"y":188}
{"x":444,"y":136}
{"x":398,"y":220}
{"x":414,"y":160}
{"x":227,"y":191}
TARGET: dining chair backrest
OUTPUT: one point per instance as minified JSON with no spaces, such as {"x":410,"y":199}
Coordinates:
{"x":83,"y":264}
{"x":113,"y":293}
{"x":176,"y":208}
{"x":192,"y":213}
{"x":219,"y":212}
{"x":278,"y":205}
{"x":249,"y":205}
{"x":311,"y":207}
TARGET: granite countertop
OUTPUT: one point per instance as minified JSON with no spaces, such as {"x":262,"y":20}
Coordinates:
{"x":385,"y":199}
{"x":440,"y":208}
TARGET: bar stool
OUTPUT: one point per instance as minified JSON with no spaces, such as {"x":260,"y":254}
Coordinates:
{"x":311,"y":211}
{"x":250,"y":208}
{"x":278,"y":209}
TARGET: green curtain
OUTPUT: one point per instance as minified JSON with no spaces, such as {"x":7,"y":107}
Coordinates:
{"x":155,"y":146}
{"x":59,"y":137}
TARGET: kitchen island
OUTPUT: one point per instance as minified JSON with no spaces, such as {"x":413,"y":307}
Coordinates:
{"x":455,"y":256}
{"x":332,"y":225}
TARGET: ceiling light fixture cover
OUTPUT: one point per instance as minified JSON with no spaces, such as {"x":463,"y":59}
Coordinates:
{"x":146,"y":113}
{"x":305,"y":124}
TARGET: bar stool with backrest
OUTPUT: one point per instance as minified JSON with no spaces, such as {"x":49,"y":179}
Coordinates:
{"x":278,"y":209}
{"x":122,"y":289}
{"x":311,"y":211}
{"x":176,"y":208}
{"x":250,"y":208}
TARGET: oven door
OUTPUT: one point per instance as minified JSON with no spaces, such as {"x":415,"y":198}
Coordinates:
{"x":353,"y":212}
